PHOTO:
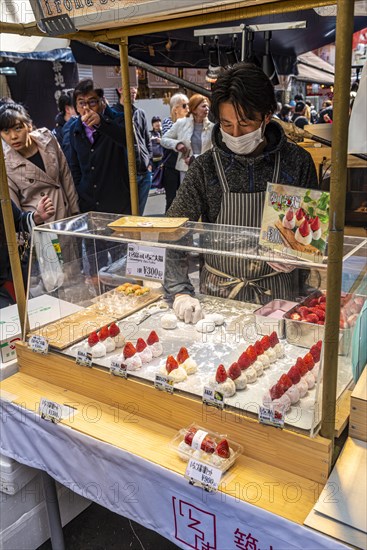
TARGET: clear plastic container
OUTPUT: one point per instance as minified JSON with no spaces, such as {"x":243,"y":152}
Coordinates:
{"x":201,"y":440}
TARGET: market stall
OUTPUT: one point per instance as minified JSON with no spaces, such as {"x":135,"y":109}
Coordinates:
{"x":71,"y":374}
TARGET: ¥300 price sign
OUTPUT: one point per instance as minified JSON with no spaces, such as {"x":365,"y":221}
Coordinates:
{"x":146,"y":262}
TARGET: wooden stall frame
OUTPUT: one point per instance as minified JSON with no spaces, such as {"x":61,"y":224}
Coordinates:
{"x":338,"y":179}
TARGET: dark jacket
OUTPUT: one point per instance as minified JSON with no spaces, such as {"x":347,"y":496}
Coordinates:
{"x":200,"y":194}
{"x":100,"y":169}
{"x":65,"y":145}
{"x":22,"y":220}
{"x":142,"y":143}
{"x":59,"y":125}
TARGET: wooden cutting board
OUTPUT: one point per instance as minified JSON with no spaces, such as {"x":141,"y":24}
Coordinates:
{"x":290,"y":241}
{"x":77,"y":326}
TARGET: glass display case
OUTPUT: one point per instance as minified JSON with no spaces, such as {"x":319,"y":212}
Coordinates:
{"x":105,"y":288}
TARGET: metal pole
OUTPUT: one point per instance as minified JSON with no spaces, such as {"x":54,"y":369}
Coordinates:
{"x":11,"y":239}
{"x":131,"y":160}
{"x":53,"y":511}
{"x":338,"y":184}
{"x":102,"y":48}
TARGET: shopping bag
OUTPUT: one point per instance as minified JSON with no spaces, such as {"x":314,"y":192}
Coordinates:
{"x":48,"y":253}
{"x":157,"y":177}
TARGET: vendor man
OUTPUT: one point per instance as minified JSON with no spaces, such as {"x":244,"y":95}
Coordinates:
{"x":227,"y":185}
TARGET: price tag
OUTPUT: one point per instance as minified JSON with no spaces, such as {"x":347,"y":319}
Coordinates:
{"x":271,"y":417}
{"x":205,"y":475}
{"x":83,"y":358}
{"x":163,"y":383}
{"x":49,"y":410}
{"x":39,"y":344}
{"x":118,"y":369}
{"x":146,"y":262}
{"x":213,"y":398}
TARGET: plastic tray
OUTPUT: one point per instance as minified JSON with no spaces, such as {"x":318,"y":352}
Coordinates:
{"x":186,"y":452}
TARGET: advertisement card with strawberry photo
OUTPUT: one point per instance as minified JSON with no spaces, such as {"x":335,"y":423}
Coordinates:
{"x":295,"y":221}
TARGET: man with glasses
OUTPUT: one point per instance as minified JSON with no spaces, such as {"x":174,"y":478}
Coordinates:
{"x":97,"y":155}
{"x":226,"y":185}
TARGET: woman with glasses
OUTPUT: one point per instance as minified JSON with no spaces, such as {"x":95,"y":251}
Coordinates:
{"x":35,"y":164}
{"x":227,"y":185}
{"x":190,"y":136}
{"x":179,"y":105}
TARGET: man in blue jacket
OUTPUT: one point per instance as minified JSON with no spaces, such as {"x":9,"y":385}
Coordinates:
{"x":97,"y":156}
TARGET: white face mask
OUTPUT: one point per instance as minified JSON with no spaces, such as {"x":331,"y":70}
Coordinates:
{"x":243,"y":145}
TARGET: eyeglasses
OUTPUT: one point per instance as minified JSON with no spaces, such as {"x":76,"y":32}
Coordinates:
{"x":89,"y":102}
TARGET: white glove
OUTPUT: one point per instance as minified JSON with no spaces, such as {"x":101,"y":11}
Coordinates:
{"x":187,"y":308}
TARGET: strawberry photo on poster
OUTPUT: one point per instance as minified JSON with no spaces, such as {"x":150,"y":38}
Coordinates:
{"x":295,"y":221}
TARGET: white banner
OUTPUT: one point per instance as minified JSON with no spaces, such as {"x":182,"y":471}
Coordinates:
{"x":149,"y":494}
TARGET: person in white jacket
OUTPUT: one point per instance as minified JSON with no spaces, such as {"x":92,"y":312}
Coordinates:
{"x":190,"y":136}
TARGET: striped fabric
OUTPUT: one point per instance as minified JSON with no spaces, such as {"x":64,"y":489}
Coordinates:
{"x":245,"y":210}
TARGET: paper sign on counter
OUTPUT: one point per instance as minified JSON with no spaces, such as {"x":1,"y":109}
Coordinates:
{"x":213,"y":397}
{"x":83,"y":358}
{"x":118,"y":368}
{"x":163,"y":383}
{"x":146,"y":262}
{"x":38,"y":344}
{"x":49,"y":410}
{"x":205,"y":475}
{"x":271,"y":417}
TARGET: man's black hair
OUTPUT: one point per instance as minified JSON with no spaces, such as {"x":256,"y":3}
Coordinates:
{"x":299,"y":97}
{"x":65,"y":99}
{"x":85,"y":87}
{"x":248,"y":88}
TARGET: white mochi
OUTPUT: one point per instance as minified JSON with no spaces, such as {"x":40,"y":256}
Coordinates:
{"x":218,"y":318}
{"x":205,"y":326}
{"x":168,"y":321}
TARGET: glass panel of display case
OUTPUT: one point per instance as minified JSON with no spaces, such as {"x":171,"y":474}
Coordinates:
{"x":265,"y":342}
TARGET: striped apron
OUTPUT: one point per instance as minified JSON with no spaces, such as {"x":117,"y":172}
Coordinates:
{"x":232,"y":277}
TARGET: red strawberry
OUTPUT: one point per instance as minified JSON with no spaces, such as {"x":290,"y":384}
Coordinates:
{"x":309,"y":361}
{"x":285,"y":382}
{"x":322,"y":299}
{"x":274,"y":340}
{"x":320,"y":313}
{"x":251,"y":354}
{"x":182,"y":356}
{"x":152,"y":338}
{"x":113,"y":330}
{"x":300,"y":364}
{"x":322,"y":306}
{"x":93,"y":339}
{"x":208,"y":445}
{"x":315,"y":224}
{"x":103,"y":334}
{"x":129,"y":350}
{"x":314,"y":302}
{"x":319,"y":344}
{"x":304,"y":228}
{"x":311,"y":318}
{"x":303,"y":311}
{"x":259,"y":348}
{"x":140,"y":344}
{"x":294,"y":374}
{"x":221,"y":375}
{"x":244,"y":361}
{"x":315,"y":352}
{"x":234,"y":371}
{"x":189,"y":436}
{"x":171,"y":364}
{"x":289,"y":215}
{"x":276,"y":392}
{"x":222,"y":449}
{"x":265,"y":341}
{"x":300,"y":214}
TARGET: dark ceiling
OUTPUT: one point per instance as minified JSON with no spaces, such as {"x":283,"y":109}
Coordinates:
{"x":180,"y":48}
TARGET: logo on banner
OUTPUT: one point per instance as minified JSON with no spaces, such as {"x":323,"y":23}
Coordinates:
{"x":193,"y":526}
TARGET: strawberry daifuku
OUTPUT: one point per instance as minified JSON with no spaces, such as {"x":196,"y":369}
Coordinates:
{"x":289,"y":220}
{"x":154,"y":344}
{"x":316,"y":228}
{"x":222,"y":382}
{"x":144,"y":351}
{"x":303,"y":234}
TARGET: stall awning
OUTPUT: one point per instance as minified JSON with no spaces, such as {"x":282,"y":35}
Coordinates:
{"x":311,"y":68}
